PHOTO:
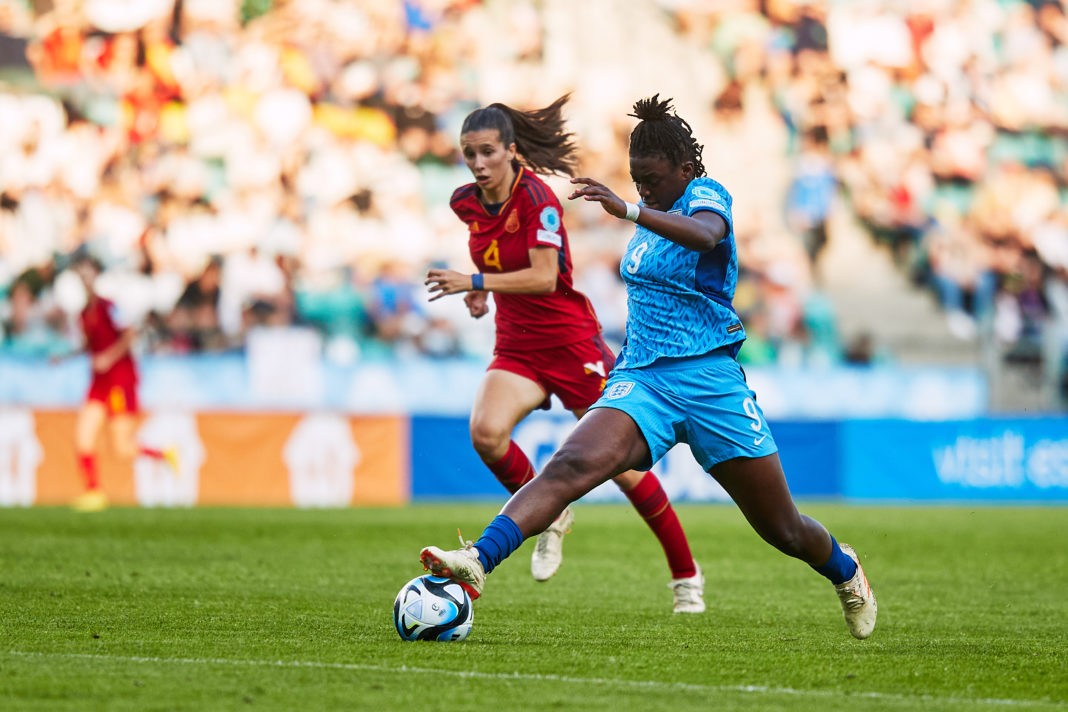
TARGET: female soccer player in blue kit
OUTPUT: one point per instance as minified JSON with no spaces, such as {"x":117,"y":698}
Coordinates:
{"x":676,"y":378}
{"x":548,"y":339}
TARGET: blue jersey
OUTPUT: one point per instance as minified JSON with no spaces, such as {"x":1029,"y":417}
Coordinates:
{"x":678,"y":299}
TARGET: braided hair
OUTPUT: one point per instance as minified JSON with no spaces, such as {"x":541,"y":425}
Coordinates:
{"x":661,"y":131}
{"x":540,"y":138}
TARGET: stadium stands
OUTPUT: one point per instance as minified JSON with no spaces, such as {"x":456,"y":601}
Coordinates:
{"x":241,"y":164}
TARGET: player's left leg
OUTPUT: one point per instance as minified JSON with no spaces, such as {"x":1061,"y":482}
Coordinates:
{"x":122,"y":428}
{"x":123,"y":431}
{"x":758,"y":486}
{"x":645,"y":493}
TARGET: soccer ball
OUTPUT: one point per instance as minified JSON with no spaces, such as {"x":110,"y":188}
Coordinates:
{"x":432,"y":608}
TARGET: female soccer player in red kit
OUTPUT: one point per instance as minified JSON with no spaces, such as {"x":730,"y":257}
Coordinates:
{"x":548,"y":338}
{"x":112,"y":393}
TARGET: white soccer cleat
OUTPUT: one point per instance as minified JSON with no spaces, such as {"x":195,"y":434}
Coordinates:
{"x":459,"y":565}
{"x":689,"y":592}
{"x":549,"y":548}
{"x":858,"y":600}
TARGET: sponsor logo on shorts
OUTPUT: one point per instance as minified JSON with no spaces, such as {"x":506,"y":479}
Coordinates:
{"x":757,"y":441}
{"x":618,"y":390}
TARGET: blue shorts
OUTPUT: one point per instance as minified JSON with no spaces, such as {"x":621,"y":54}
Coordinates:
{"x":702,"y":401}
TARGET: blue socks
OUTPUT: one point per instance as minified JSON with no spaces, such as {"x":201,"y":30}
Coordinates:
{"x":498,"y":541}
{"x":840,"y":567}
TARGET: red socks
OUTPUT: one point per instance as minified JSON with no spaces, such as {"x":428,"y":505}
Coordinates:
{"x":87,"y":464}
{"x":649,"y":498}
{"x":88,"y":467}
{"x":514,"y":469}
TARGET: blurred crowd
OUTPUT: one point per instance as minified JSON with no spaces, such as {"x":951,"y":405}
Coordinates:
{"x":943,"y":125}
{"x":237,"y":164}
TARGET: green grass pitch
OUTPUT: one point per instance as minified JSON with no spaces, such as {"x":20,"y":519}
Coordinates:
{"x":135,"y":609}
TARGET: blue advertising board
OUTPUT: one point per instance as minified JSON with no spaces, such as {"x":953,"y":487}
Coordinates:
{"x":1016,"y":460}
{"x":445,"y":466}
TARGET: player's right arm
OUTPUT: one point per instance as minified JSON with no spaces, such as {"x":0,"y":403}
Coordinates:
{"x":539,"y":278}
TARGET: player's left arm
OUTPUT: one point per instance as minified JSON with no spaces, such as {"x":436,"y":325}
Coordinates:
{"x":539,"y":278}
{"x":701,"y":231}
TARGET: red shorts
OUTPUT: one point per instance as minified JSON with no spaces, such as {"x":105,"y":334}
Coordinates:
{"x":574,"y":373}
{"x":119,"y":396}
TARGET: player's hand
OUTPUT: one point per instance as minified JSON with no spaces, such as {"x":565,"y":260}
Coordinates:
{"x":441,"y":282}
{"x":593,"y":191}
{"x":476,"y":304}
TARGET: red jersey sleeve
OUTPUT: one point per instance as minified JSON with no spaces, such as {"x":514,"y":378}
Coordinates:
{"x":542,"y":220}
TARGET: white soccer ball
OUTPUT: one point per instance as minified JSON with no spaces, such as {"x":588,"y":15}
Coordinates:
{"x":432,"y":608}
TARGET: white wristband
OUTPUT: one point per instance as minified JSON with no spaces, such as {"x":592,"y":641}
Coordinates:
{"x":632,"y":212}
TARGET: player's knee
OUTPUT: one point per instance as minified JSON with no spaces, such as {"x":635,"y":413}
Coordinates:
{"x":125,"y":451}
{"x":490,"y":441}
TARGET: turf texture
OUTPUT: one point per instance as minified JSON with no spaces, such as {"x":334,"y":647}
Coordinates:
{"x":203,"y":609}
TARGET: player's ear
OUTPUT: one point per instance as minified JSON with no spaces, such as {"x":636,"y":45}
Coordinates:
{"x":687,"y":170}
{"x":511,"y":150}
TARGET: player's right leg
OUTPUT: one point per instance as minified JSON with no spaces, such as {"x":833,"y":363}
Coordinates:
{"x":504,"y":399}
{"x":603,"y":444}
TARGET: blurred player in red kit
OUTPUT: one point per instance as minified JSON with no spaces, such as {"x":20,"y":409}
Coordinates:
{"x":112,"y":396}
{"x":548,"y":338}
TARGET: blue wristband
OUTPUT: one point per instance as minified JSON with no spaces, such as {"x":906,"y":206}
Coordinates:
{"x":477,"y":282}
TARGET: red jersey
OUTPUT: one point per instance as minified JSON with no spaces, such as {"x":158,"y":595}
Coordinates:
{"x":101,"y":332}
{"x":529,"y":218}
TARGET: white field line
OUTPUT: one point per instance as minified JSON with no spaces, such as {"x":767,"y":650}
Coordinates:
{"x":538,"y":677}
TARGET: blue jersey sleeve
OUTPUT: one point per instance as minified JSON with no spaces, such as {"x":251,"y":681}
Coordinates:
{"x":707,"y":194}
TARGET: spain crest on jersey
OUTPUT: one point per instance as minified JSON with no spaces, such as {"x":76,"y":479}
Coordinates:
{"x":512,"y":224}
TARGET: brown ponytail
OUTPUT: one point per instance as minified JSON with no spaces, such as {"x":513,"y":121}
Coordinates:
{"x":541,"y":139}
